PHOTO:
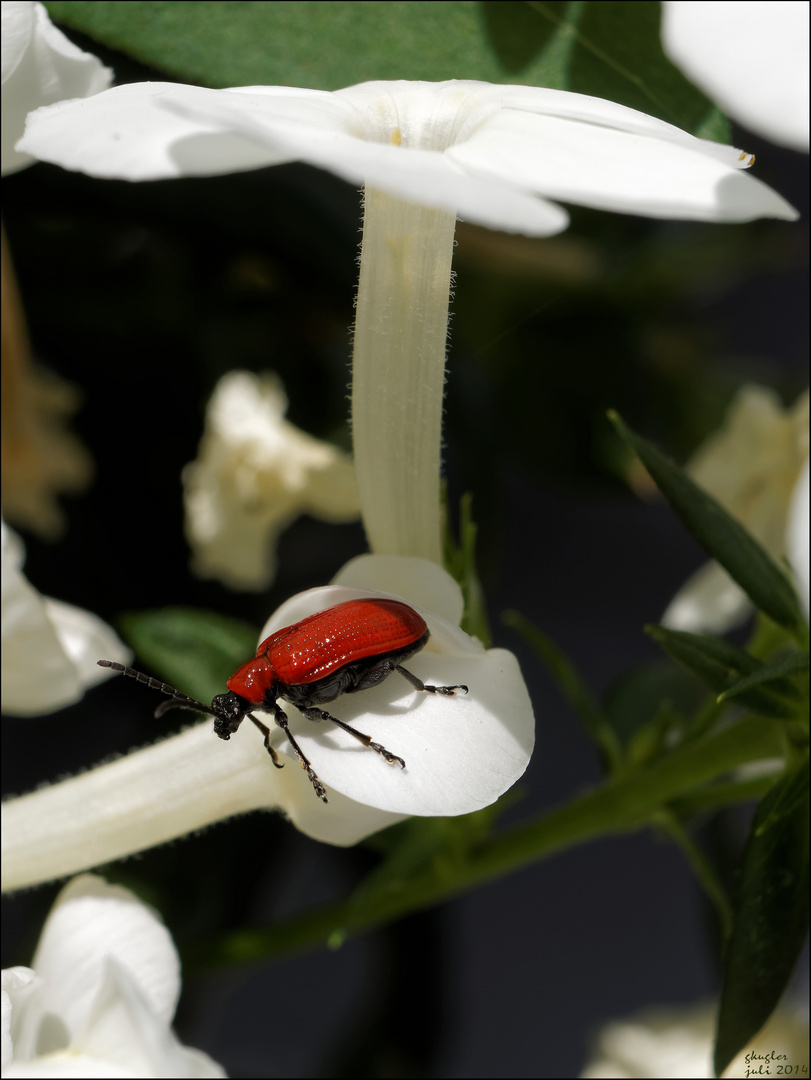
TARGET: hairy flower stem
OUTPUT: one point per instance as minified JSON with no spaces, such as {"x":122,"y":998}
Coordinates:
{"x":399,"y":373}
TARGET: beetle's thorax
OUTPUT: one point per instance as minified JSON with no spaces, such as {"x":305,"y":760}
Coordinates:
{"x":255,"y":681}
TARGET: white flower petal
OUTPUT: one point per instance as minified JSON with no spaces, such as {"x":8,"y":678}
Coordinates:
{"x":49,"y":648}
{"x":751,"y":58}
{"x":90,"y":922}
{"x":19,"y":985}
{"x":254,"y":474}
{"x":487,"y":153}
{"x":124,"y":1030}
{"x":708,"y":602}
{"x":423,"y":583}
{"x":67,"y":1064}
{"x":613,"y":169}
{"x":39,"y":66}
{"x":102,"y":995}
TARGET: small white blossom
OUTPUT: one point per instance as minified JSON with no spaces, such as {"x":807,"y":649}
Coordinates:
{"x":751,"y":57}
{"x":255,"y":473}
{"x":50,"y":648}
{"x":101,"y":994}
{"x":752,"y":466}
{"x":462,"y":752}
{"x":39,"y":66}
{"x":678,"y":1042}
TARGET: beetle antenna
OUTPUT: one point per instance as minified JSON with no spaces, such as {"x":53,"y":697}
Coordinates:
{"x":179,"y":700}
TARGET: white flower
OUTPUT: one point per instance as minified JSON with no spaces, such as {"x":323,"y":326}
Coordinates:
{"x":679,"y":1043}
{"x":489,"y":153}
{"x":797,"y":540}
{"x":751,"y":465}
{"x":101,"y":993}
{"x":461,"y":752}
{"x":751,"y":58}
{"x":255,"y":473}
{"x":50,"y":648}
{"x":39,"y":66}
{"x":426,"y":152}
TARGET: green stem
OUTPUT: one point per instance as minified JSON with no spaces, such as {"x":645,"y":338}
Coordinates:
{"x":398,"y":373}
{"x":626,"y":804}
{"x":715,"y":891}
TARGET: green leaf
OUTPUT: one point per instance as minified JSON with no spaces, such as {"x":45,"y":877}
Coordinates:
{"x":771,"y":915}
{"x":721,"y":535}
{"x":644,"y":704}
{"x":608,"y":49}
{"x":777,"y":672}
{"x":194,"y":650}
{"x":722,"y":665}
{"x":460,"y":562}
{"x":571,"y":685}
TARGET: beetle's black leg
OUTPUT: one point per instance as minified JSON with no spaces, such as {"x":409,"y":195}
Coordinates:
{"x":418,"y":684}
{"x":281,"y":720}
{"x":266,"y":732}
{"x":321,"y":714}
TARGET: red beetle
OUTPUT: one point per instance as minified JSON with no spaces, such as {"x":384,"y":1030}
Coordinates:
{"x":352,"y":646}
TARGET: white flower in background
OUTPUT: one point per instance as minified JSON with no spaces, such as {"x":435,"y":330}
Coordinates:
{"x":39,"y":66}
{"x":797,"y":540}
{"x":678,"y":1042}
{"x":462,"y":752}
{"x":100,"y":995}
{"x":750,"y":58}
{"x":49,"y":649}
{"x":40,"y":456}
{"x":254,"y":474}
{"x":751,"y":466}
{"x":426,"y":152}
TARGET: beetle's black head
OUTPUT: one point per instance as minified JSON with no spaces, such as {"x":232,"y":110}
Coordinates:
{"x":229,"y":711}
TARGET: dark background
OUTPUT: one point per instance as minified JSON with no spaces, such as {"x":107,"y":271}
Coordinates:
{"x":142,"y":296}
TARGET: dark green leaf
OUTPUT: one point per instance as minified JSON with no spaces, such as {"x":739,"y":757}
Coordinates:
{"x":722,"y":665}
{"x":460,"y":562}
{"x":644,"y":701}
{"x":771,"y":915}
{"x":775,"y":672}
{"x":607,"y":49}
{"x":194,"y":650}
{"x":720,"y":534}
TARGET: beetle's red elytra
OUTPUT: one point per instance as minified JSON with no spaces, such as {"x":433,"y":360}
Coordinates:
{"x":341,"y":650}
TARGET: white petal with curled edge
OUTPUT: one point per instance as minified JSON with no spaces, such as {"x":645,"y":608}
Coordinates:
{"x":123,"y":1029}
{"x":39,"y":66}
{"x":50,"y":648}
{"x":90,"y":922}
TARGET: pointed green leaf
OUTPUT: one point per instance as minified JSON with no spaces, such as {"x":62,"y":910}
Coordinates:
{"x":194,"y":650}
{"x":777,"y":673}
{"x":722,"y":665}
{"x":771,"y":915}
{"x":720,"y":534}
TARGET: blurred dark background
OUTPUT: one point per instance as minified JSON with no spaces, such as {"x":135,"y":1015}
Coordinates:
{"x":142,"y":296}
